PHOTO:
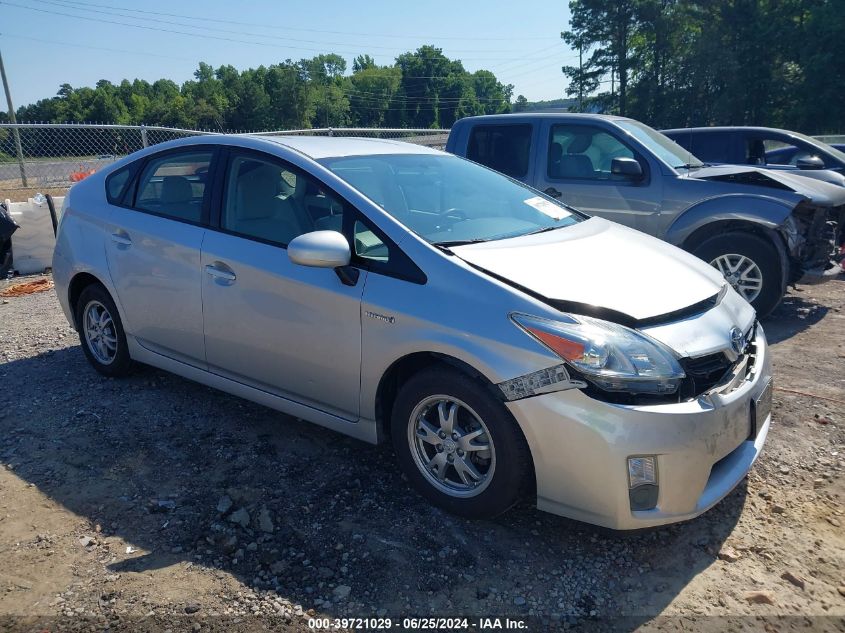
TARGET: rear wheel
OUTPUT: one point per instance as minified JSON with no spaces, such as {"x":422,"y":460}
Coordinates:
{"x":459,"y":445}
{"x":751,"y":264}
{"x":101,"y":332}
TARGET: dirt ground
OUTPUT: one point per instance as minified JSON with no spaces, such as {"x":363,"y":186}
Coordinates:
{"x":156,"y":504}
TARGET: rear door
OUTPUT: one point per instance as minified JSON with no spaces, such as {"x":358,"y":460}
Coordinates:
{"x":153,"y":252}
{"x":574,"y":166}
{"x":290,"y":330}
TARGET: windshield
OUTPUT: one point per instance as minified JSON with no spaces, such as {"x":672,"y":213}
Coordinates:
{"x":448,"y":200}
{"x":662,"y":146}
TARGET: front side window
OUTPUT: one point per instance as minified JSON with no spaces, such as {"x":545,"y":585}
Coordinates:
{"x":505,"y":148}
{"x":449,"y":200}
{"x":583,"y":152}
{"x":174,"y":185}
{"x":270,"y":201}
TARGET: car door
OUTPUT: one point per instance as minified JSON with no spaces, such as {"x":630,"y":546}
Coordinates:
{"x":153,"y":252}
{"x":576,"y":169}
{"x":288,"y":329}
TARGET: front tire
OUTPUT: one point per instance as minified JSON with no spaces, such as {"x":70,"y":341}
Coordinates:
{"x":101,"y":332}
{"x":751,"y":264}
{"x":458,"y":445}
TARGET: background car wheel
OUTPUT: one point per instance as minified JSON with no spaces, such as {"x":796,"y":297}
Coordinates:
{"x":101,"y":332}
{"x":751,"y":264}
{"x":459,"y":445}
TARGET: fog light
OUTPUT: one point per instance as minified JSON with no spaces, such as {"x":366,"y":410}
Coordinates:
{"x":641,"y":470}
{"x":642,"y":482}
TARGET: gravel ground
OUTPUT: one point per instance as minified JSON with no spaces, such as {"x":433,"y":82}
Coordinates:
{"x":153,"y":503}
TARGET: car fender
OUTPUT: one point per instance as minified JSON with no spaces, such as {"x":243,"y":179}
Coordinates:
{"x":764,"y":211}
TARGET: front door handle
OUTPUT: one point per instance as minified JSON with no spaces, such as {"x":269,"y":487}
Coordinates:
{"x":554,"y":193}
{"x":224,"y":274}
{"x":121,"y":238}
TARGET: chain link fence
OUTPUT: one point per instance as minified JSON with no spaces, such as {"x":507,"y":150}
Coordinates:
{"x":50,"y":157}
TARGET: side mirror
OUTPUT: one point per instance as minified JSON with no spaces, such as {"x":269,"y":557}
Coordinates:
{"x":320,"y":249}
{"x":810,"y":162}
{"x":628,"y":168}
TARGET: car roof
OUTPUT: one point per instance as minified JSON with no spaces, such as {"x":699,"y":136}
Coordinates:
{"x":727,"y":128}
{"x":318,"y":147}
{"x":513,"y":116}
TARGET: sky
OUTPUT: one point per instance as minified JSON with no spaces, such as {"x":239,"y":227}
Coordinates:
{"x":46,"y":43}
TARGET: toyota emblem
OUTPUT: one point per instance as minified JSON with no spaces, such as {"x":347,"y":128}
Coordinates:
{"x":737,"y":340}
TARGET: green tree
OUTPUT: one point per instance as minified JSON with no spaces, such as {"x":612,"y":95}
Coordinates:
{"x":605,"y":28}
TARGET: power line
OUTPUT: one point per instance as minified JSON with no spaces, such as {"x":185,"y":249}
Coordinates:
{"x":204,"y":36}
{"x":69,"y":4}
{"x":293,"y":28}
{"x":95,"y":48}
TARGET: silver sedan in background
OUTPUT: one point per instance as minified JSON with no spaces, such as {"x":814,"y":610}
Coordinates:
{"x":506,"y":344}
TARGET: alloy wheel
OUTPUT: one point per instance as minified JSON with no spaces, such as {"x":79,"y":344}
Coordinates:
{"x":100,"y":332}
{"x":742,"y":273}
{"x":451,"y":446}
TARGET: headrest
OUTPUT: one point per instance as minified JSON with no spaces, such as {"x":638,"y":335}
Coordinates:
{"x":557,"y":151}
{"x":176,"y":189}
{"x":579,"y":143}
{"x":256,"y":192}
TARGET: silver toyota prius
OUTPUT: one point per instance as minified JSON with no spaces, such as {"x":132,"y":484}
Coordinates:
{"x":504,"y":343}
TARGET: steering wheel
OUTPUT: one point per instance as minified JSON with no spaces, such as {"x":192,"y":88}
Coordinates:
{"x":454,"y":212}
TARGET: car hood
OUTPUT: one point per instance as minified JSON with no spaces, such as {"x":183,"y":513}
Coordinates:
{"x":823,"y":194}
{"x":599,"y":264}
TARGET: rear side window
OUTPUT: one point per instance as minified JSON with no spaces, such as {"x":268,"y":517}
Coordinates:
{"x":710,"y":148}
{"x":505,"y":148}
{"x":116,"y":185}
{"x":174,"y":185}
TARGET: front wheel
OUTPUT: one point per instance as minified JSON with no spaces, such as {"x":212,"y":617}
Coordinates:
{"x":750,"y":264}
{"x":459,"y":446}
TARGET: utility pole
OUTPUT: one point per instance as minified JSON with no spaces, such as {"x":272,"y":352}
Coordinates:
{"x":580,"y":75}
{"x":12,"y":119}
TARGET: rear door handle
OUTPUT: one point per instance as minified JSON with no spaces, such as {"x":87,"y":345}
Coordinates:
{"x":121,"y":238}
{"x":220,"y":273}
{"x":554,"y":193}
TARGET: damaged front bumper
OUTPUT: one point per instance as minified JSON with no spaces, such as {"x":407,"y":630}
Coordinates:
{"x":703,"y":448}
{"x":814,"y":238}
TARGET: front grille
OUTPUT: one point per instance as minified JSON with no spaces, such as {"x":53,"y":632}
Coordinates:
{"x":703,"y":373}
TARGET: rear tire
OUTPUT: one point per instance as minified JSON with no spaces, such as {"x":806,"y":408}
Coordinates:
{"x":751,"y":264}
{"x":459,"y":446}
{"x":101,"y":332}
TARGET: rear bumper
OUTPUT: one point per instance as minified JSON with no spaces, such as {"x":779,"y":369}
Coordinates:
{"x":704,"y":448}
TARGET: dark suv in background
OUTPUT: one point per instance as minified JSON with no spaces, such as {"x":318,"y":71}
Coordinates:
{"x":763,"y":147}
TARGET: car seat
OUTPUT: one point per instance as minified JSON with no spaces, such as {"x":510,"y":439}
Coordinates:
{"x":576,"y":164}
{"x":177,"y":197}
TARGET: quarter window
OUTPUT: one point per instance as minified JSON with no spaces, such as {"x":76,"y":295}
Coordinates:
{"x":368,"y":245}
{"x":116,"y":184}
{"x":584,"y":153}
{"x":505,"y":148}
{"x":271,"y":201}
{"x":174,"y":185}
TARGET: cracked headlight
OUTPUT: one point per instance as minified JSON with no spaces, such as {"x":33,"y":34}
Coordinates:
{"x":611,"y":356}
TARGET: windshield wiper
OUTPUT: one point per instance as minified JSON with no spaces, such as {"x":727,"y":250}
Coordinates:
{"x":689,"y":166}
{"x":545,"y":229}
{"x":448,"y":243}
